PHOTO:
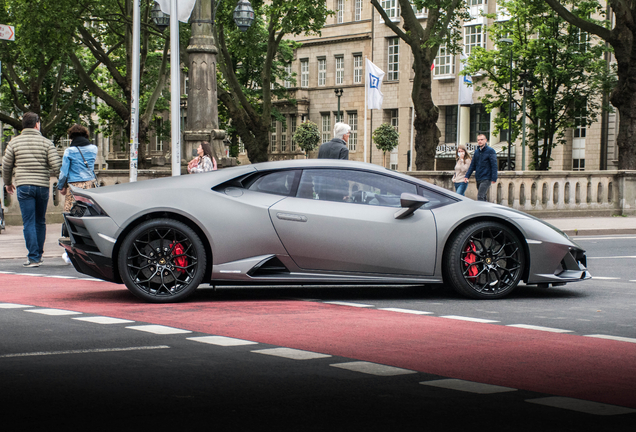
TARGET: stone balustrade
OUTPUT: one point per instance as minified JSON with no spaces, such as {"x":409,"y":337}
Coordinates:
{"x":543,"y":194}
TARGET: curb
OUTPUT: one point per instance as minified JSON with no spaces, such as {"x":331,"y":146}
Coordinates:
{"x":596,"y":231}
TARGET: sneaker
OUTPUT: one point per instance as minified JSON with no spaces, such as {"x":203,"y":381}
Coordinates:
{"x":65,"y":257}
{"x":30,"y":263}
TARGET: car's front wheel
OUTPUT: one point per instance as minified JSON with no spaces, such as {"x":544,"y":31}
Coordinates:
{"x":162,"y":261}
{"x":484,"y":260}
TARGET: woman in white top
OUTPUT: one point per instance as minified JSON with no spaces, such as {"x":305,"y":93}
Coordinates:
{"x":204,"y":162}
{"x":461,"y":168}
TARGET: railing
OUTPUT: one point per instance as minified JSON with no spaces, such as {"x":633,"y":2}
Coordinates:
{"x":543,"y":194}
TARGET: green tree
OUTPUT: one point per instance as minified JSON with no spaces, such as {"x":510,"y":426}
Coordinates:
{"x":250,"y":62}
{"x":566,"y":71}
{"x":621,"y":36}
{"x":441,"y":26}
{"x":386,"y":139}
{"x":307,"y":136}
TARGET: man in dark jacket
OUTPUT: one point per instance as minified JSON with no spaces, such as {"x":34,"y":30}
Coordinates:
{"x":484,"y":164}
{"x":337,"y":148}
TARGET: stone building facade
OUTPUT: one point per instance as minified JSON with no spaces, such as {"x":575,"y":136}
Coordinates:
{"x":335,"y":60}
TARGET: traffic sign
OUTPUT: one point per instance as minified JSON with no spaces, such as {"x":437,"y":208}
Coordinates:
{"x":7,"y":32}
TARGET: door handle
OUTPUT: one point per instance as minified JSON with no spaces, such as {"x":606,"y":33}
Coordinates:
{"x":291,"y":217}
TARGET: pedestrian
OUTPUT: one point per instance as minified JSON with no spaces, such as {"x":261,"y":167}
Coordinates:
{"x":34,"y":158}
{"x":204,"y":161}
{"x":461,"y":168}
{"x":484,"y":164}
{"x":337,"y":148}
{"x":78,"y":165}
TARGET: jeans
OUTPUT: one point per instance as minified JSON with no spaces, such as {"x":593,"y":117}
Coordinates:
{"x":460,"y":187}
{"x":33,"y":201}
{"x":482,"y":189}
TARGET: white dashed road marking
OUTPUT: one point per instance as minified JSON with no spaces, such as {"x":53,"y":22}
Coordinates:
{"x":85,"y":351}
{"x":373,"y":368}
{"x":290,"y":353}
{"x":13,"y":306}
{"x":583,"y":406}
{"x":410,"y":311}
{"x":533,"y":327}
{"x":221,"y":341}
{"x":339,"y":303}
{"x":616,"y":338}
{"x":158,"y":329}
{"x":53,"y":312}
{"x":468,"y":386}
{"x":461,"y":318}
{"x":604,"y":278}
{"x":104,"y":320}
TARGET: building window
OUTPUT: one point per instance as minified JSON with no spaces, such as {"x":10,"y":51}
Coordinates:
{"x":580,"y":123}
{"x":339,"y":11}
{"x":358,"y":11}
{"x":292,"y":128}
{"x":394,"y":59}
{"x":283,"y":137}
{"x":479,"y":122}
{"x":420,"y":13}
{"x":473,"y":37}
{"x":339,"y":70}
{"x":393,"y":119}
{"x":444,"y":62}
{"x":357,"y":69}
{"x":477,"y":2}
{"x":322,"y":72}
{"x":581,"y":39}
{"x":450,"y":124}
{"x":159,"y":134}
{"x":288,"y":76}
{"x":391,"y":8}
{"x":353,"y":138}
{"x":241,"y":146}
{"x":272,"y":140}
{"x":326,"y":127}
{"x":393,"y":159}
{"x":304,"y":73}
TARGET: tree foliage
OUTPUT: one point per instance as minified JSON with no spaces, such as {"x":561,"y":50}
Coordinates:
{"x":385,"y":138}
{"x":564,"y":69}
{"x":307,"y":136}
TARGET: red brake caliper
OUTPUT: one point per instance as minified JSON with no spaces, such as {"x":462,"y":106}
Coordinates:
{"x":470,"y":259}
{"x":177,"y":249}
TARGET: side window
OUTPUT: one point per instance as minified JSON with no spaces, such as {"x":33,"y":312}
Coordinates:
{"x":435,"y":199}
{"x":277,"y":183}
{"x":358,"y":187}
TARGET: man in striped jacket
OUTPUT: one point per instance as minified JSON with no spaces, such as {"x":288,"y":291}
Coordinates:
{"x":35,"y":160}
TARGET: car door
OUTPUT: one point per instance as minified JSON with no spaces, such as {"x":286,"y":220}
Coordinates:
{"x":343,"y":221}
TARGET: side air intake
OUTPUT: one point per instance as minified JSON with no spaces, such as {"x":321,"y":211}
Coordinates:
{"x":268,"y":267}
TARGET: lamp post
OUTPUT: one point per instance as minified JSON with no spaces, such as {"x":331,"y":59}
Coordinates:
{"x":526,"y":90}
{"x":508,"y":162}
{"x":338,"y":93}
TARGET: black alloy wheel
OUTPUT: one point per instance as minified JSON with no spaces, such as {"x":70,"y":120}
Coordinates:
{"x":162,"y":261}
{"x":485,"y":260}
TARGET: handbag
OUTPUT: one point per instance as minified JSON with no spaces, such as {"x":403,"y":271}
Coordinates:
{"x":95,"y":182}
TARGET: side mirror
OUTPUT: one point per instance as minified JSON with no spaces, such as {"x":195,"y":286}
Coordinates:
{"x":409,"y":203}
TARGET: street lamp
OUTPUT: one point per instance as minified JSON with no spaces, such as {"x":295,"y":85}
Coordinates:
{"x":161,"y":20}
{"x":243,"y":15}
{"x":508,"y":162}
{"x":338,"y":93}
{"x":525,"y":90}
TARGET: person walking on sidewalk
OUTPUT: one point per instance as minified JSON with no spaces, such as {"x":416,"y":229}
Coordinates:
{"x":461,"y":168}
{"x":34,"y":159}
{"x":78,"y":164}
{"x":484,"y":165}
{"x":337,"y":147}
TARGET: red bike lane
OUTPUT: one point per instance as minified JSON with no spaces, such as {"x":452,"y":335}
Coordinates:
{"x":558,"y":364}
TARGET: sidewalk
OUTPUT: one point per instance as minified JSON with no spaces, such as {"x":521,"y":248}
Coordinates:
{"x":12,"y":242}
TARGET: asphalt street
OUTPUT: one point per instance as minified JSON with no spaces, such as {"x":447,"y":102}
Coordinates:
{"x":84,"y":353}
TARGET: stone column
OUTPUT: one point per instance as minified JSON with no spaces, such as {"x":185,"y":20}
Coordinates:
{"x":202,"y":122}
{"x":464,"y":125}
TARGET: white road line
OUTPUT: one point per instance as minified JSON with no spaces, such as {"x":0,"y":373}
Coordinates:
{"x":533,"y":327}
{"x":339,"y":303}
{"x":583,"y":406}
{"x":104,"y":320}
{"x":604,"y":278}
{"x":7,"y":272}
{"x":85,"y":351}
{"x":409,"y":311}
{"x":468,"y":386}
{"x":158,"y":329}
{"x":290,"y":353}
{"x":53,"y":312}
{"x":373,"y":368}
{"x":616,"y":338}
{"x":604,"y":238}
{"x":613,"y":257}
{"x":221,"y":341}
{"x":13,"y":306}
{"x":461,"y":318}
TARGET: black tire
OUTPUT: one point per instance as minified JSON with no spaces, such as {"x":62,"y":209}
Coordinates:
{"x":162,"y":261}
{"x":484,"y":260}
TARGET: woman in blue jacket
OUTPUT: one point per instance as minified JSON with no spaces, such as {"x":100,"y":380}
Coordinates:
{"x":77,"y":165}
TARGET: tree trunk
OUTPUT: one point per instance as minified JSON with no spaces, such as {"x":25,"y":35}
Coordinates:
{"x":623,"y":97}
{"x":425,"y":123}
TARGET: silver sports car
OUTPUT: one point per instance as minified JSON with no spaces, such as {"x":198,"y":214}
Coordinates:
{"x":309,"y":222}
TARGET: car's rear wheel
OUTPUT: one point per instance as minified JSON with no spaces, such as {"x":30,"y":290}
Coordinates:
{"x":162,"y":261}
{"x":485,"y":260}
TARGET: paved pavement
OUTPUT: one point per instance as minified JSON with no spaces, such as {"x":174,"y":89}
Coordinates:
{"x":12,"y":242}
